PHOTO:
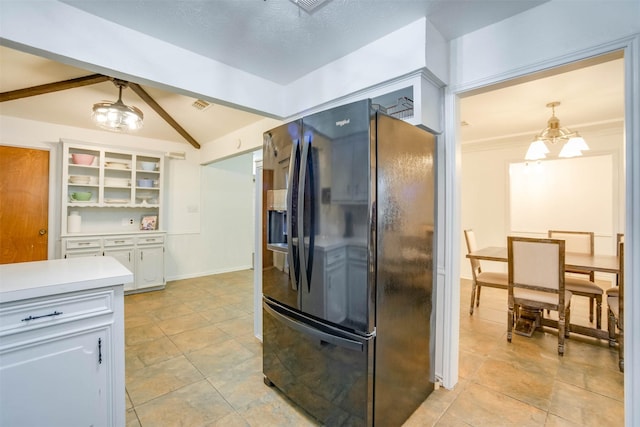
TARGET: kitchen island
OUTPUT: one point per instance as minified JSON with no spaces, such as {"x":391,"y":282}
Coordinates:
{"x":62,"y":342}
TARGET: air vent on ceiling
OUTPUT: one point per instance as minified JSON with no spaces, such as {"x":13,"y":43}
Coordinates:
{"x":309,"y":5}
{"x":200,"y":104}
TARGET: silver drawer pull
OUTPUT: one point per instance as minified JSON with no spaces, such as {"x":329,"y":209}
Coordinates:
{"x":55,"y":313}
{"x":151,"y":240}
{"x":84,"y":243}
{"x":118,"y":241}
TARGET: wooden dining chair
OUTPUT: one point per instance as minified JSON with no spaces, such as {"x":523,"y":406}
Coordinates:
{"x":537,"y":281}
{"x":582,"y":242}
{"x":615,"y":302}
{"x":619,"y":239}
{"x":492,"y":279}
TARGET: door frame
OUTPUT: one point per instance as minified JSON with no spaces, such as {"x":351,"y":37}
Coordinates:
{"x":450,"y":287}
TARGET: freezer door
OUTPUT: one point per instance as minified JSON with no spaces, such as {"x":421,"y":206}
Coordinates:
{"x":335,"y":194}
{"x":324,"y":370}
{"x":281,"y":165}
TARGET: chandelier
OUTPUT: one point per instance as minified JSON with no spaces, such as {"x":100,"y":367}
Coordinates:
{"x":116,"y":116}
{"x":573,"y":146}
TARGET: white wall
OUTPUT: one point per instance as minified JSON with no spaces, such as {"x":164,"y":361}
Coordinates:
{"x":194,"y":195}
{"x":485,"y":200}
{"x":225,"y":239}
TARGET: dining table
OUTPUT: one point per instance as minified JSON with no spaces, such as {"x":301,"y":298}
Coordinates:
{"x":572,"y":261}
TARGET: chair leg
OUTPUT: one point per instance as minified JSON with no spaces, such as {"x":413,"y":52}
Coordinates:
{"x":591,"y":309}
{"x":599,"y":311}
{"x":561,"y":332}
{"x":621,"y":351}
{"x":473,"y":297}
{"x":510,"y":318}
{"x":478,"y":296}
{"x":611,"y":326}
{"x":567,"y":326}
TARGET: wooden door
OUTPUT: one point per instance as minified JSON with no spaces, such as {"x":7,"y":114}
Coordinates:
{"x":24,"y":204}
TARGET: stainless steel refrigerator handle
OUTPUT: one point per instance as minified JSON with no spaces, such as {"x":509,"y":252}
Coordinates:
{"x":301,"y":243}
{"x":307,"y":158}
{"x":292,"y":263}
{"x":318,"y":334}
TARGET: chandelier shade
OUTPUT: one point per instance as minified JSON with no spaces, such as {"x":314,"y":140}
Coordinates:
{"x":573,"y":146}
{"x":117,"y":116}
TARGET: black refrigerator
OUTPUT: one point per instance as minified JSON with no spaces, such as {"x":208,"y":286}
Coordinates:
{"x":347,"y":303}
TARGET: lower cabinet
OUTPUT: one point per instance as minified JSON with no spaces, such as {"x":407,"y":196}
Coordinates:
{"x":142,"y":255}
{"x":357,"y":279}
{"x":149,"y":271}
{"x":59,"y":359}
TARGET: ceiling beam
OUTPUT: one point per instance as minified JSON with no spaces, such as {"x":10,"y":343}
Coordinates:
{"x":158,"y":109}
{"x":53,"y":87}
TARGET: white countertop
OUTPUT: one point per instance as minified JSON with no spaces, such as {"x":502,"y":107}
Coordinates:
{"x":43,"y":278}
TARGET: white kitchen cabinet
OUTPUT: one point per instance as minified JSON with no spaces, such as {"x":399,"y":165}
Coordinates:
{"x":63,"y":374}
{"x":334,"y":276}
{"x":62,"y":343}
{"x":357,"y":283}
{"x":349,"y":176}
{"x":149,"y":267}
{"x":141,"y":253}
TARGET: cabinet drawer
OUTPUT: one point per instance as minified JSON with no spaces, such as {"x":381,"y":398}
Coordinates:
{"x":357,"y":253}
{"x":119,"y":241}
{"x":83,"y":243}
{"x":41,"y":313}
{"x":150,"y":240}
{"x":335,"y":256}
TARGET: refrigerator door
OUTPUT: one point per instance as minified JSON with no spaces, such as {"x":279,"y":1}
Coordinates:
{"x":405,"y":273}
{"x":282,"y":151}
{"x":326,"y":371}
{"x":335,"y":194}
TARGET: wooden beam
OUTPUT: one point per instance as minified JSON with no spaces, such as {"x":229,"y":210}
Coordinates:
{"x":53,"y":87}
{"x":158,"y":109}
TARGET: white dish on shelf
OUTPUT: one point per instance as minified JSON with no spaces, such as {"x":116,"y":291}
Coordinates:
{"x":117,"y":182}
{"x":79,"y":179}
{"x":116,"y":200}
{"x":116,"y":165}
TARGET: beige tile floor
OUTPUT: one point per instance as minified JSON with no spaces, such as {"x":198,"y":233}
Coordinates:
{"x":192,"y":360}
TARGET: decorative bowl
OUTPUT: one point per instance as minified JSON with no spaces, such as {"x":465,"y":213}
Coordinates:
{"x":148,"y":166}
{"x":145,"y":182}
{"x":81,"y":196}
{"x":82,"y":159}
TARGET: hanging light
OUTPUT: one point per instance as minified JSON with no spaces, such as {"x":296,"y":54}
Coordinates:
{"x":116,"y":116}
{"x":573,"y":146}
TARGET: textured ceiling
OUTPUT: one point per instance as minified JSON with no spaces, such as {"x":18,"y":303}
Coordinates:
{"x":279,"y":41}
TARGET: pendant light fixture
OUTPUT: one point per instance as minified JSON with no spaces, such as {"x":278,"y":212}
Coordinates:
{"x":116,"y":116}
{"x":573,"y":146}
